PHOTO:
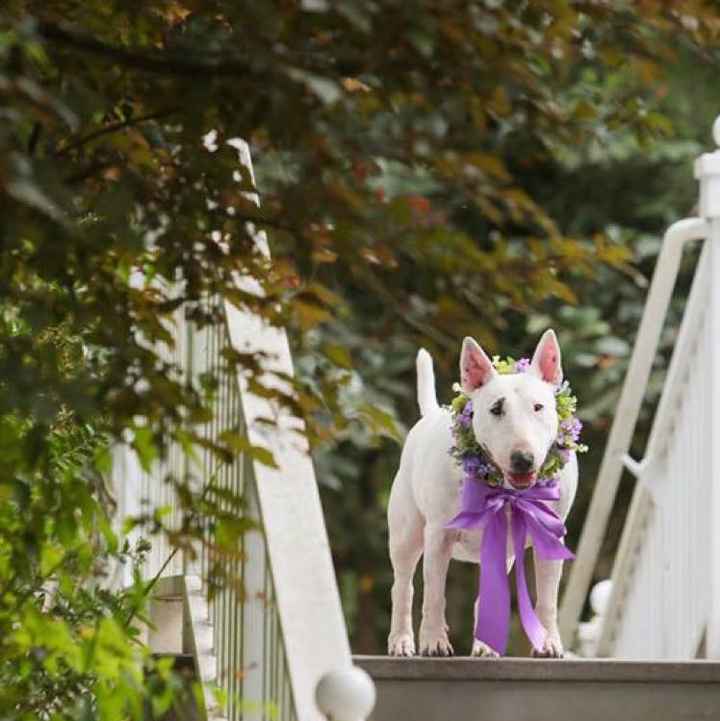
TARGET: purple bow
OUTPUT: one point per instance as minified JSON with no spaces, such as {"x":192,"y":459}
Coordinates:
{"x":484,"y":507}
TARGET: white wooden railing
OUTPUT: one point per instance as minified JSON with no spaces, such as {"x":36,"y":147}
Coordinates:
{"x":275,"y":636}
{"x":664,"y":595}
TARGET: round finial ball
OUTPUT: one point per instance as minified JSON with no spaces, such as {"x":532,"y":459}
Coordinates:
{"x":600,"y":595}
{"x":716,"y":130}
{"x":346,"y":695}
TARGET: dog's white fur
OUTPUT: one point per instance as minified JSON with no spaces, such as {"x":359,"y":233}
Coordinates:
{"x":426,"y":491}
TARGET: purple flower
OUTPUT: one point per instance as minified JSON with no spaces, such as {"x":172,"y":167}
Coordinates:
{"x":522,"y":365}
{"x":572,"y":427}
{"x":465,"y":417}
{"x":471,"y":465}
{"x":475,"y":467}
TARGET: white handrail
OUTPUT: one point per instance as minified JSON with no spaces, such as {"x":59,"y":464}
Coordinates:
{"x":661,"y":555}
{"x":650,"y":515}
{"x":693,"y":318}
{"x":278,"y":630}
{"x":625,"y":419}
{"x":308,"y":601}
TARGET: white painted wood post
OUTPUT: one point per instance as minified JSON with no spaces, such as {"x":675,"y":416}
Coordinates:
{"x":707,"y":171}
{"x":589,"y":632}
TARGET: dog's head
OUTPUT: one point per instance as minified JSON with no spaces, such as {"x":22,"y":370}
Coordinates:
{"x":514,"y":415}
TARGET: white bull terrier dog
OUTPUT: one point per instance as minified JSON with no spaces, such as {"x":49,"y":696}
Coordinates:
{"x":515,"y":421}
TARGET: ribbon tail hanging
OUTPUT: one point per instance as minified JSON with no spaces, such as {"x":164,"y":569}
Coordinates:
{"x":534,"y":630}
{"x":493,"y":611}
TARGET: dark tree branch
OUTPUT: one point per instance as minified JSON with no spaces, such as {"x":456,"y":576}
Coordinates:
{"x":159,"y":63}
{"x":114,"y":127}
{"x":34,"y":137}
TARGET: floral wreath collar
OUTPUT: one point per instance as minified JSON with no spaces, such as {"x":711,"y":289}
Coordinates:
{"x":473,"y":460}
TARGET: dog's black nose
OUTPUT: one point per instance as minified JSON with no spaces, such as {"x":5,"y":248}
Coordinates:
{"x":521,"y":461}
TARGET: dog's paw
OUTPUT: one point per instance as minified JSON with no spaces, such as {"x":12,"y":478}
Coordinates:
{"x":435,"y":643}
{"x":552,"y":647}
{"x":401,"y":644}
{"x":482,"y":650}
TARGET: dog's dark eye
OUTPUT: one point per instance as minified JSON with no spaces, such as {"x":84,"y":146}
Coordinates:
{"x":497,"y":408}
{"x":538,"y":407}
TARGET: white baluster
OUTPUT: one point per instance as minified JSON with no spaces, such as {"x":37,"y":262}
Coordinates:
{"x":707,"y":170}
{"x":589,"y":632}
{"x":346,"y":695}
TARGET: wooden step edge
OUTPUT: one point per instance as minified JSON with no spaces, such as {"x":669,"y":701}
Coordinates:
{"x":526,"y":669}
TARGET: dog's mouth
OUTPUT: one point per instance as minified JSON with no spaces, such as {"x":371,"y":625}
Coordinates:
{"x":521,"y":481}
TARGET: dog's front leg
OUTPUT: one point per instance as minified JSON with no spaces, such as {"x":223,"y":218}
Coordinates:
{"x":547,"y":584}
{"x":436,"y":559}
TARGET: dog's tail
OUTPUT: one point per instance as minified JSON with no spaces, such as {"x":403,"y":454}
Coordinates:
{"x":427,"y":398}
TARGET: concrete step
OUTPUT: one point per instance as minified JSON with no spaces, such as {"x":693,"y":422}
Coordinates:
{"x":468,"y":689}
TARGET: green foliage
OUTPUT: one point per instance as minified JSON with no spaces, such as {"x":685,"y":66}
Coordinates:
{"x":68,"y":639}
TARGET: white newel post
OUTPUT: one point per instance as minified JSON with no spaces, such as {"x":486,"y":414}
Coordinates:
{"x":707,"y":171}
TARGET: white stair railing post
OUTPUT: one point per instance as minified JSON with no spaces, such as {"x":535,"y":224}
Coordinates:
{"x":626,"y":415}
{"x":707,"y":171}
{"x":590,"y":631}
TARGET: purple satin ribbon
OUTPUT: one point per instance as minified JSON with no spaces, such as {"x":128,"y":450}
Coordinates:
{"x":483,"y":507}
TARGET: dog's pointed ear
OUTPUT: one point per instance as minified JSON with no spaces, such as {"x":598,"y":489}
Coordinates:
{"x":546,"y":362}
{"x":476,"y":369}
